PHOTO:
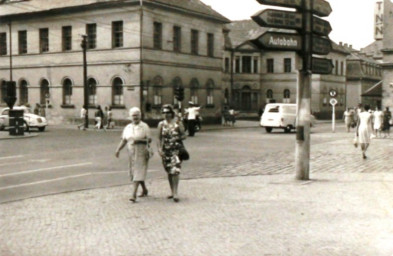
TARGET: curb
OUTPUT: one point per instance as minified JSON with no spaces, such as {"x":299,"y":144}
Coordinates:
{"x":9,"y":137}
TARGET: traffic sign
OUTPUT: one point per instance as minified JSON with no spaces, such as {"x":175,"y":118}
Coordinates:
{"x":333,"y":93}
{"x":321,"y":27}
{"x":278,"y":19}
{"x":280,"y":41}
{"x":283,"y":3}
{"x":320,"y":45}
{"x":322,"y":8}
{"x":333,"y":102}
{"x":322,"y":66}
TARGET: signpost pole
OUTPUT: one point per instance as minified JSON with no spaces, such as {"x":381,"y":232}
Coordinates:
{"x":302,"y":151}
{"x":333,"y":118}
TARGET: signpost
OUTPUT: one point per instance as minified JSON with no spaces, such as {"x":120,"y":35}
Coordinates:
{"x":306,"y":43}
{"x":280,"y":41}
{"x":322,"y":66}
{"x":333,"y":102}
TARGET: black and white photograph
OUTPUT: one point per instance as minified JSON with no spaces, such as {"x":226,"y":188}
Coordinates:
{"x":196,"y":127}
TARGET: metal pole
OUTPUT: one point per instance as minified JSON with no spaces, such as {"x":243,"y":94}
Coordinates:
{"x":10,"y":30}
{"x":141,"y":59}
{"x":302,"y":152}
{"x":333,"y":118}
{"x":85,"y":89}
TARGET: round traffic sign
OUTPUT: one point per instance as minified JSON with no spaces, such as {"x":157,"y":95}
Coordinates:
{"x":333,"y":102}
{"x":333,"y":93}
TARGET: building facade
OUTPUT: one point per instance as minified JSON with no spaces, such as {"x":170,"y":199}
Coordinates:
{"x":137,"y":53}
{"x":387,"y":50}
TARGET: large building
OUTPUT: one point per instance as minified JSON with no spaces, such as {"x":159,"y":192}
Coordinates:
{"x":387,"y":84}
{"x":138,"y":51}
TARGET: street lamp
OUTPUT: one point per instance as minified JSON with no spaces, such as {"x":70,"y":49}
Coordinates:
{"x":85,"y":89}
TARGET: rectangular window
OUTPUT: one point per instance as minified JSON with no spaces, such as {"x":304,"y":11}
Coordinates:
{"x":237,"y":65}
{"x":176,"y":39}
{"x":210,"y":97}
{"x":3,"y":43}
{"x":22,"y":42}
{"x":226,"y":65}
{"x":270,"y":65}
{"x":287,"y":65}
{"x":194,"y":41}
{"x":44,"y":40}
{"x":66,"y":36}
{"x":210,"y":45}
{"x":117,"y":34}
{"x":157,"y":37}
{"x":342,"y":68}
{"x":157,"y":96}
{"x":336,"y":67}
{"x":255,"y":65}
{"x":246,"y":64}
{"x":91,"y":31}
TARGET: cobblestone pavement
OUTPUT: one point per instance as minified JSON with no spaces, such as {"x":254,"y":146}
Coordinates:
{"x":347,"y":209}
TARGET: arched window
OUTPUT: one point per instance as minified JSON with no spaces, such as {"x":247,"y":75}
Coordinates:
{"x":67,"y":92}
{"x":210,"y":92}
{"x":194,"y":86}
{"x":23,"y":93}
{"x":92,"y":91}
{"x":176,"y":83}
{"x":117,"y":91}
{"x":44,"y":91}
{"x":287,"y":96}
{"x":158,"y":83}
{"x":3,"y":91}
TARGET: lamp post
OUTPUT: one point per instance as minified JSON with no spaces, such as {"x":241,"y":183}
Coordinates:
{"x":85,"y":89}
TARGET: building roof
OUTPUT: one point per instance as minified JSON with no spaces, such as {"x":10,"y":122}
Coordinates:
{"x":244,"y":30}
{"x":34,"y":6}
{"x":373,"y":50}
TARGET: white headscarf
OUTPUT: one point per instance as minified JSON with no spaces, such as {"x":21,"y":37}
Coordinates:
{"x":134,"y":110}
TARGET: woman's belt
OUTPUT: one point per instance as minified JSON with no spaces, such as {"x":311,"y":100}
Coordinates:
{"x":140,"y":142}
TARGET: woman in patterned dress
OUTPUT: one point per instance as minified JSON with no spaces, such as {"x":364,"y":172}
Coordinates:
{"x":137,"y":137}
{"x":170,"y":135}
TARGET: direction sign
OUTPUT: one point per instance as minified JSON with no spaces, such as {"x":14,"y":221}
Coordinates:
{"x":280,"y":41}
{"x":278,"y":19}
{"x":322,"y":66}
{"x":322,"y":8}
{"x":321,"y":27}
{"x":283,"y":3}
{"x":333,"y":102}
{"x":320,"y":45}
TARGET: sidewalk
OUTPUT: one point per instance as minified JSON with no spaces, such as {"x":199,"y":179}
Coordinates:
{"x":345,"y":209}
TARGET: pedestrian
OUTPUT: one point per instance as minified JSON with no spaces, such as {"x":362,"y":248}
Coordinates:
{"x":109,"y":124}
{"x":170,"y":135}
{"x":387,"y":119}
{"x":83,"y":118}
{"x":36,"y":110}
{"x":105,"y":118}
{"x":364,"y":130}
{"x":348,"y":118}
{"x":136,"y":136}
{"x":99,"y":116}
{"x":378,"y":121}
{"x":192,"y":113}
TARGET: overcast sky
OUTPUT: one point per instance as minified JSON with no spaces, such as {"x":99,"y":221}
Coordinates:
{"x":352,"y":20}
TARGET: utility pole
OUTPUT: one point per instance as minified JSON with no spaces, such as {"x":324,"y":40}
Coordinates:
{"x":302,"y":150}
{"x":85,"y":89}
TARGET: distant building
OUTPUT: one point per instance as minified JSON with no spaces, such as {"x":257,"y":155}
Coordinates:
{"x":138,"y":52}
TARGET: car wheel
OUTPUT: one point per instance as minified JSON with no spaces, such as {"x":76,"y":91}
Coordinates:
{"x":288,"y":128}
{"x":268,"y":129}
{"x":41,"y":129}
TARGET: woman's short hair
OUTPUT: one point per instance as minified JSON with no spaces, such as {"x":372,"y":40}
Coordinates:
{"x":367,"y":107}
{"x":134,"y":110}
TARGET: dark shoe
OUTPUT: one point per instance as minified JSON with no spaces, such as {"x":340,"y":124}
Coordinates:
{"x":176,"y":200}
{"x":169,"y":197}
{"x":133,"y":200}
{"x":144,"y":193}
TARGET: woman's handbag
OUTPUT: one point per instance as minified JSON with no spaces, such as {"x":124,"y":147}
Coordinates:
{"x":183,"y":153}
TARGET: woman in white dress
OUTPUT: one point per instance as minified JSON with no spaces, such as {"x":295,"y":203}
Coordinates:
{"x":137,"y":138}
{"x":378,"y":121}
{"x":364,"y":129}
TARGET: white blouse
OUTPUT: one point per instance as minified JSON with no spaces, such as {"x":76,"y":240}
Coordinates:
{"x":133,"y":132}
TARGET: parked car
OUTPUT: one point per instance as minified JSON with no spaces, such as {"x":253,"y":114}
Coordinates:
{"x":280,"y":115}
{"x":31,"y":120}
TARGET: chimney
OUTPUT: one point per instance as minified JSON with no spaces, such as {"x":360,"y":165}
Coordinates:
{"x":341,"y":43}
{"x":345,"y":45}
{"x":350,"y":46}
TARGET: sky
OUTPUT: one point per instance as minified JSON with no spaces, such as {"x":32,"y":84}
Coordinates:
{"x":352,"y":21}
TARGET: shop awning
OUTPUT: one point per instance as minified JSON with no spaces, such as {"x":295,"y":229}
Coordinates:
{"x":374,"y":91}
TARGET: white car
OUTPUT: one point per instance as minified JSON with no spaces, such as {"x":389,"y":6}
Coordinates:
{"x":32,"y":120}
{"x":280,"y":115}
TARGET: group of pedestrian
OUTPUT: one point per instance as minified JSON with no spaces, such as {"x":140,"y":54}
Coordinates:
{"x":371,"y":124}
{"x":228,"y":116}
{"x":102,"y":119}
{"x":138,"y":139}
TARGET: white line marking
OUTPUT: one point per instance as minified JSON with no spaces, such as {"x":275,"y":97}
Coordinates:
{"x":109,"y":172}
{"x":8,"y":157}
{"x":45,"y":181}
{"x":23,"y":162}
{"x":46,"y":169}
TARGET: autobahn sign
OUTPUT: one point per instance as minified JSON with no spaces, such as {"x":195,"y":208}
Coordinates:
{"x":280,"y":41}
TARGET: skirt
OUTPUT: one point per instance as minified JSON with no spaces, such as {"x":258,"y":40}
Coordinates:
{"x":138,"y":162}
